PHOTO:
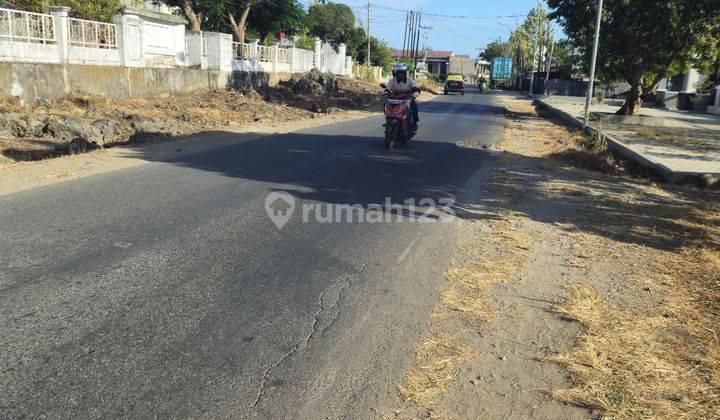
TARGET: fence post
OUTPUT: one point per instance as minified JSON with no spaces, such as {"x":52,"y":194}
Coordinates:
{"x":62,"y":38}
{"x":254,"y":54}
{"x":318,"y":54}
{"x":348,"y":65}
{"x":219,"y":51}
{"x":342,"y":51}
{"x":194,"y":45}
{"x":130,"y":30}
{"x":275,"y":57}
{"x":292,"y":60}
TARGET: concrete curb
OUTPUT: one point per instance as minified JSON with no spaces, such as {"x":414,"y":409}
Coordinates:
{"x":617,"y":146}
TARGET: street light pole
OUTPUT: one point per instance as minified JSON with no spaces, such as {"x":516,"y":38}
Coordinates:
{"x":593,"y":61}
{"x":536,"y":47}
{"x":549,"y":63}
{"x":367,"y":60}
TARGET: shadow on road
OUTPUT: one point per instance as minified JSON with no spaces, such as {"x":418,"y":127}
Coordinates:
{"x":345,"y":169}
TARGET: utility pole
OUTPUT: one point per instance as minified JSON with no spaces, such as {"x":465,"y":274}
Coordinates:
{"x":407,"y":26}
{"x":549,"y":63}
{"x":535,"y":48}
{"x":591,"y":86}
{"x":417,"y":45}
{"x":413,"y":19}
{"x":367,"y":60}
{"x":426,"y":34}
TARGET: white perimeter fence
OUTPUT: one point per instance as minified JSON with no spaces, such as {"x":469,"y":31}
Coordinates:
{"x":137,"y":40}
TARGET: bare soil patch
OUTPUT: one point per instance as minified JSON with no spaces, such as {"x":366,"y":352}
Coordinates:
{"x":582,"y":289}
{"x":78,"y":124}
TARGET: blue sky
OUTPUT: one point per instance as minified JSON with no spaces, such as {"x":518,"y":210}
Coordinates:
{"x":463,"y":36}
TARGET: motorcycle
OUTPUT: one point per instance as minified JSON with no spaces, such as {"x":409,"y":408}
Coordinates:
{"x":398,"y":119}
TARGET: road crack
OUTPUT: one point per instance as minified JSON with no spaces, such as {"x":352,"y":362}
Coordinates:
{"x":303,"y":342}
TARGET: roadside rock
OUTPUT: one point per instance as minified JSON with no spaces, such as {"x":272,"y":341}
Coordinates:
{"x":148,"y":129}
{"x":81,"y":131}
{"x":13,"y":124}
{"x":314,"y":82}
{"x":317,"y":108}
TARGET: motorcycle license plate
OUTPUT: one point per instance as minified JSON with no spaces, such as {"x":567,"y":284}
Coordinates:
{"x":395,"y":101}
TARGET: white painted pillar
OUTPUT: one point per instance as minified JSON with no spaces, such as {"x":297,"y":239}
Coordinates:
{"x":194,"y":54}
{"x":62,"y":39}
{"x":318,"y":54}
{"x":181,"y":58}
{"x":275,"y":57}
{"x":717,"y":95}
{"x":342,"y":52}
{"x":690,"y":80}
{"x":254,"y":54}
{"x":130,"y":29}
{"x":219,"y":51}
{"x":348,"y":65}
{"x":292,"y":60}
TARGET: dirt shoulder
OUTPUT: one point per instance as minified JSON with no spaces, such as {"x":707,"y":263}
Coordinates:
{"x":581,"y":289}
{"x":40,"y":144}
{"x":75,"y":124}
{"x":21,"y":176}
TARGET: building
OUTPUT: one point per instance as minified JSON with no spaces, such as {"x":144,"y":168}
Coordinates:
{"x":436,"y":62}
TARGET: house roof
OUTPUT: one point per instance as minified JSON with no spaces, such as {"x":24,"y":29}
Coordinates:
{"x":432,"y":54}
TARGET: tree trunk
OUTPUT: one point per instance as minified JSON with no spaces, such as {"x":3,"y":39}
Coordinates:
{"x":195,"y":19}
{"x":238,"y":27}
{"x":633,"y":101}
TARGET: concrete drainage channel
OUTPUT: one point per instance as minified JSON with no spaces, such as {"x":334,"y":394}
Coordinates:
{"x":702,"y":179}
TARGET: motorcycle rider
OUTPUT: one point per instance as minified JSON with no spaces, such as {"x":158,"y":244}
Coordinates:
{"x":402,"y":83}
{"x":482,"y":84}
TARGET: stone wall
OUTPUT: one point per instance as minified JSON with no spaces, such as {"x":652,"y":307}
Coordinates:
{"x":34,"y":81}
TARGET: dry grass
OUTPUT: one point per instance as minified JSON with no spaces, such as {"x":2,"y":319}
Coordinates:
{"x":435,"y":361}
{"x":487,"y":259}
{"x":661,"y":359}
{"x":527,"y":134}
{"x":665,"y":363}
{"x":9,"y":103}
{"x":431,"y":86}
{"x":184,"y":114}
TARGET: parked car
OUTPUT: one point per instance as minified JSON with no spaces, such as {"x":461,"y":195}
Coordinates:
{"x":454,"y":83}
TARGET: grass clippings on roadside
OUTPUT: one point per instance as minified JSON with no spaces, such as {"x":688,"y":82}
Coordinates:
{"x":662,"y":364}
{"x":466,"y":302}
{"x":659,"y":360}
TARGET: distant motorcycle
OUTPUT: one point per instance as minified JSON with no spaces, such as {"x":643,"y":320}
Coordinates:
{"x":398,"y":119}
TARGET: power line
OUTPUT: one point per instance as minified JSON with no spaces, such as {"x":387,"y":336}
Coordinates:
{"x":395,"y":9}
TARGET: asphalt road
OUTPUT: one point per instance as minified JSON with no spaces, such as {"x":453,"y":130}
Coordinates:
{"x":166,"y":290}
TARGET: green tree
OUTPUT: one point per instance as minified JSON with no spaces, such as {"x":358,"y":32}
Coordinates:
{"x":201,"y":14}
{"x":332,"y":22}
{"x":564,"y":58}
{"x":273,"y":16}
{"x":708,"y":59}
{"x":100,"y":10}
{"x":217,"y":15}
{"x":523,"y":42}
{"x":356,"y":41}
{"x":380,"y":54}
{"x":641,"y":41}
{"x":520,"y":46}
{"x":495,"y":49}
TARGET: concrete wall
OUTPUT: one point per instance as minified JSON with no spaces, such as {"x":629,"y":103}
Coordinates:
{"x":32,"y":81}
